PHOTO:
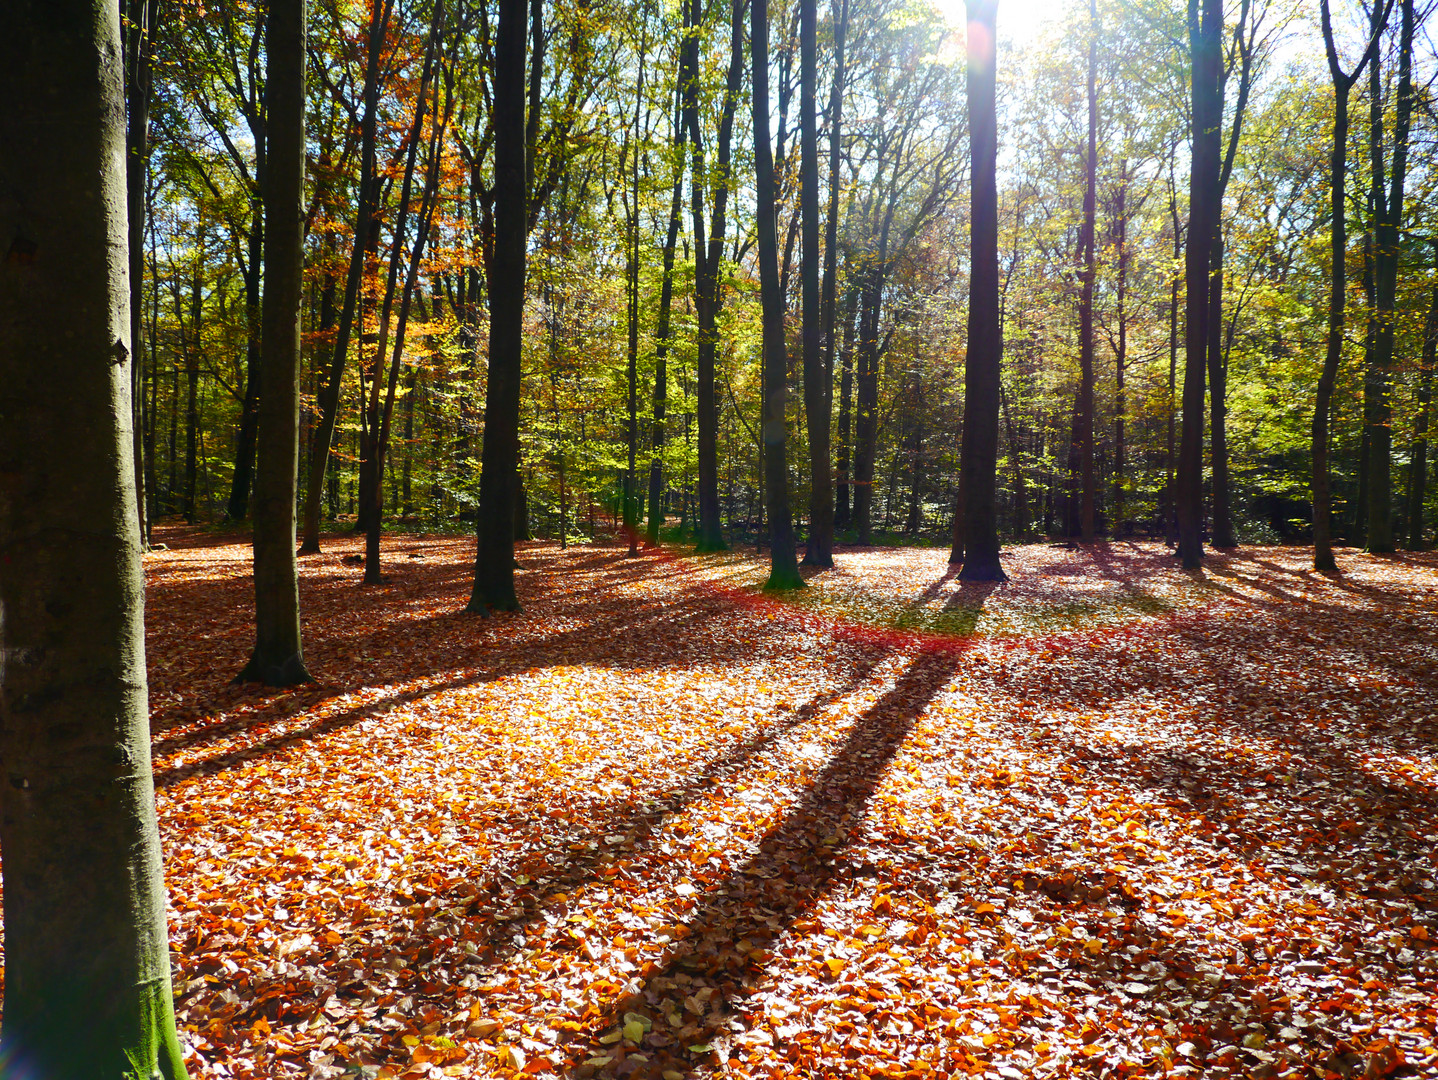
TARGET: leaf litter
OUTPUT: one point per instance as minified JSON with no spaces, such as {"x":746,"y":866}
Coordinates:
{"x":1130,"y":821}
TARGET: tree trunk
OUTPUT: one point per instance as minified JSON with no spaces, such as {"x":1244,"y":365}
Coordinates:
{"x":1218,"y":400}
{"x":140,"y":79}
{"x":1337,"y":290}
{"x":844,"y":453}
{"x":978,"y":467}
{"x":364,"y":228}
{"x":278,"y":658}
{"x":494,"y":558}
{"x":866,"y":380}
{"x":1083,"y":408}
{"x":1418,"y":456}
{"x":1388,"y":224}
{"x":819,"y":551}
{"x":381,"y":414}
{"x":1206,"y":48}
{"x":243,"y":476}
{"x":662,"y":328}
{"x":839,"y":510}
{"x":783,"y":556}
{"x":1120,"y":355}
{"x":87,"y":966}
{"x":706,"y":284}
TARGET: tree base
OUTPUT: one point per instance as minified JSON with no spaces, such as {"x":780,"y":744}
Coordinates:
{"x":309,"y":549}
{"x":710,"y":547}
{"x":784,"y":582}
{"x":287,"y":672}
{"x":982,"y":571}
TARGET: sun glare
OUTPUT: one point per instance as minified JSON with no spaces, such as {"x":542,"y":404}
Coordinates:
{"x":1019,"y":20}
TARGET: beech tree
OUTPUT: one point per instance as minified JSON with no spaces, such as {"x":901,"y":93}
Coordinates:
{"x":783,"y":565}
{"x":978,"y":546}
{"x":87,"y":965}
{"x":278,"y":659}
{"x":494,"y":559}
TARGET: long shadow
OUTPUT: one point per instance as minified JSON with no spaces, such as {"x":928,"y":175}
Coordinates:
{"x":732,"y":926}
{"x":615,"y":640}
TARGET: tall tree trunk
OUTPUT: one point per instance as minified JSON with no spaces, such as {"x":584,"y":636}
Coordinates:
{"x":140,"y":79}
{"x":783,"y":556}
{"x":278,"y":658}
{"x":1418,"y":456}
{"x":364,"y":230}
{"x":242,"y":478}
{"x":1206,"y":48}
{"x":1388,"y":224}
{"x":1337,"y":289}
{"x":1170,"y":513}
{"x":666,"y":304}
{"x":192,"y":385}
{"x":839,"y":512}
{"x":978,"y":466}
{"x":1088,"y":258}
{"x":494,"y":558}
{"x":866,"y":379}
{"x":87,"y":965}
{"x":818,"y":384}
{"x":1222,"y":515}
{"x":1120,"y":352}
{"x":380,"y":414}
{"x":706,"y":284}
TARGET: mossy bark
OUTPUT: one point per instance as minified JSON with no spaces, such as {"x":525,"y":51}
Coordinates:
{"x":87,"y":967}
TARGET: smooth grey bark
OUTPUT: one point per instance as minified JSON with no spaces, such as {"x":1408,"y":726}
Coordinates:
{"x":783,"y":556}
{"x":494,"y":556}
{"x":87,"y":964}
{"x":278,"y":657}
{"x":979,"y":455}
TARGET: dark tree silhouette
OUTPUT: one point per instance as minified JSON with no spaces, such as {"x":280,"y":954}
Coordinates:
{"x":278,"y":659}
{"x":978,"y":510}
{"x":783,"y":559}
{"x":494,"y":559}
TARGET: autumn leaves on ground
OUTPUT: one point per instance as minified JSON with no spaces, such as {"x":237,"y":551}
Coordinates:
{"x":1109,"y":818}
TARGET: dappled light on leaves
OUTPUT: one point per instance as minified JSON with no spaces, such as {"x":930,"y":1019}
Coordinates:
{"x":1109,"y":818}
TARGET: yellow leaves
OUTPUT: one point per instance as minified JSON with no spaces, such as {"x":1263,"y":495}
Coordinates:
{"x":836,"y":966}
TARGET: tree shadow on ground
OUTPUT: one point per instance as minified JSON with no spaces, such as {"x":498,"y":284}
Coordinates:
{"x":732,"y":926}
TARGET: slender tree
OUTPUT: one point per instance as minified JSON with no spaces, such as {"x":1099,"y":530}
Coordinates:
{"x":278,"y":659}
{"x":1205,"y":37}
{"x":494,"y":557}
{"x":87,"y":964}
{"x":829,"y":293}
{"x":1337,"y":281}
{"x":707,"y":257}
{"x":1418,"y":454}
{"x":1388,"y":224}
{"x":1088,"y":258}
{"x":139,"y":84}
{"x":818,"y":383}
{"x":364,"y":227}
{"x":783,"y":564}
{"x":980,"y":448}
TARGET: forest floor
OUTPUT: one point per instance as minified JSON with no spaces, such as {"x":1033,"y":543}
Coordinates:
{"x":1107,"y":819}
